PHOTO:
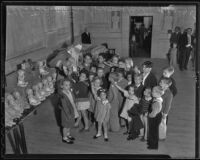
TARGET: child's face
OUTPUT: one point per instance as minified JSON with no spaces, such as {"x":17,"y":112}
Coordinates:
{"x":101,"y":59}
{"x":121,"y":64}
{"x":166,"y":74}
{"x":174,"y":45}
{"x":131,"y":90}
{"x":93,"y":69}
{"x":115,"y":60}
{"x":129,"y":77}
{"x":82,"y":77}
{"x":145,"y":69}
{"x":137,"y":80}
{"x":103,"y":96}
{"x":97,"y":83}
{"x":119,"y":75}
{"x":136,"y":69}
{"x":88,"y":60}
{"x":66,"y":85}
{"x":100,"y":73}
{"x":155,"y":93}
{"x":65,"y":69}
{"x":91,"y":77}
{"x":163,"y":85}
{"x":147,"y":92}
{"x":16,"y":95}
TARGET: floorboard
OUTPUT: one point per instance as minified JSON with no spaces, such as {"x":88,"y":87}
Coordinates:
{"x":43,"y":134}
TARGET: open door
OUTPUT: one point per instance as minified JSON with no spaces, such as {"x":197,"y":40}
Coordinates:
{"x":140,"y":36}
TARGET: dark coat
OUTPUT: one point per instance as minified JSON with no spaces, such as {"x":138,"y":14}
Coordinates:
{"x":175,"y":38}
{"x":150,"y":81}
{"x":67,"y":110}
{"x":85,"y":38}
{"x":172,"y":88}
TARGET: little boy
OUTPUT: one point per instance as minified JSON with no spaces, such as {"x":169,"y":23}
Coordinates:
{"x":138,"y":87}
{"x":87,"y":61}
{"x":167,"y":97}
{"x":101,"y":62}
{"x":155,"y":117}
{"x":100,"y":74}
{"x":167,"y":73}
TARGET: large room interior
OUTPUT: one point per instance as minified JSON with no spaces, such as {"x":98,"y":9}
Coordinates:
{"x":35,"y":32}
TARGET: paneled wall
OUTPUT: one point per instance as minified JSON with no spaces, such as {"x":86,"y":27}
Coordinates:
{"x":35,"y":31}
{"x":99,"y":23}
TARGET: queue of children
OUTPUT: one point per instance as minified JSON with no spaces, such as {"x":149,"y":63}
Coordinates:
{"x":113,"y":94}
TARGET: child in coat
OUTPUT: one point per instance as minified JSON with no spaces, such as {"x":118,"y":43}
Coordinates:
{"x":68,"y":109}
{"x":102,"y":113}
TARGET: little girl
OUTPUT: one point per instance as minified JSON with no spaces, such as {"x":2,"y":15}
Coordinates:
{"x":131,"y":99}
{"x":68,"y":109}
{"x":102,"y":113}
{"x":172,"y":54}
{"x":81,"y":91}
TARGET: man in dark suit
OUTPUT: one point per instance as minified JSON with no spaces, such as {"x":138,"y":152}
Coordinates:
{"x":185,"y":48}
{"x":149,"y":79}
{"x":85,"y":37}
{"x":175,"y":36}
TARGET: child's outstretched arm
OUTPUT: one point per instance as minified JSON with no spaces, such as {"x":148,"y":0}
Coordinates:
{"x":94,"y":93}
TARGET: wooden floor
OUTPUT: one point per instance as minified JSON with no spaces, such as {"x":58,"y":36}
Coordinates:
{"x":43,"y":134}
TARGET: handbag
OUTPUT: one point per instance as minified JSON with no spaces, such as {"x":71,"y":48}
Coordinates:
{"x":162,"y":129}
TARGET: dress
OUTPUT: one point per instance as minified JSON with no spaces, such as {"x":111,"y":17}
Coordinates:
{"x":102,"y":111}
{"x":92,"y":100}
{"x":127,"y":106}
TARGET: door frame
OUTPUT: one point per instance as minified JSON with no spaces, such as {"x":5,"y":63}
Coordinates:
{"x":130,"y":31}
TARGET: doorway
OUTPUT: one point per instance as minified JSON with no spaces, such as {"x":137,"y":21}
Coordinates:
{"x":140,"y":36}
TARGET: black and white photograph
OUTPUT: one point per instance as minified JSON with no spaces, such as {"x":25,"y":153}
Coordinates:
{"x":100,"y":79}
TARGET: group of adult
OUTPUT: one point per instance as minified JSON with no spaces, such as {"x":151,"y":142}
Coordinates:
{"x":140,"y":38}
{"x":186,"y":46}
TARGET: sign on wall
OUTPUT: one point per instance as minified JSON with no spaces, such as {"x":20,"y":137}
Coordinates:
{"x":115,"y":21}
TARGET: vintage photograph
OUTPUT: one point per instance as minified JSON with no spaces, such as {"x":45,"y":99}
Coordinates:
{"x":100,"y":80}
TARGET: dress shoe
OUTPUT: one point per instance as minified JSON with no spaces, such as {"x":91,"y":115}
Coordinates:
{"x":125,"y":133}
{"x":131,"y":138}
{"x":84,"y":130}
{"x":71,"y":138}
{"x":143,"y":140}
{"x":95,"y":137}
{"x":68,"y":141}
{"x":150,"y":147}
{"x":106,"y":139}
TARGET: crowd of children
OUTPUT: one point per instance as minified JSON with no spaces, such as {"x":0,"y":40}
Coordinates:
{"x":113,"y":94}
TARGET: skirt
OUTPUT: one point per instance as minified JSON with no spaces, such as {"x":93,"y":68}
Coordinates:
{"x":83,"y":105}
